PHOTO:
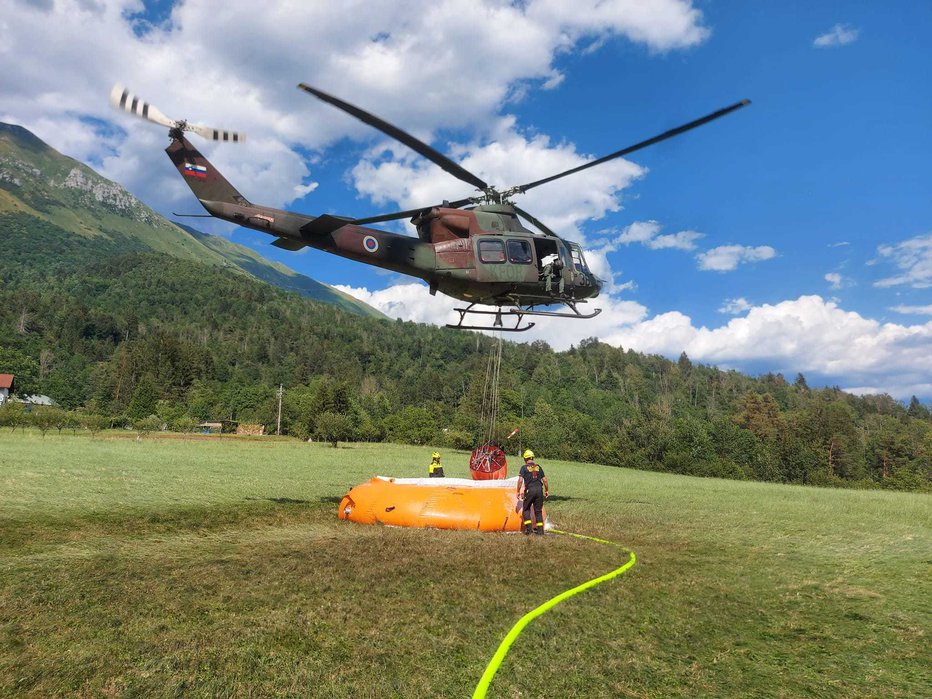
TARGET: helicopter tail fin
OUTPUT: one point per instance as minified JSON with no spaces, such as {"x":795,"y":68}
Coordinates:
{"x":203,"y":178}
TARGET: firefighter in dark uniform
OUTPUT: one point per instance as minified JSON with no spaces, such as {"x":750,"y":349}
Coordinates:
{"x":435,"y":470}
{"x":533,"y":486}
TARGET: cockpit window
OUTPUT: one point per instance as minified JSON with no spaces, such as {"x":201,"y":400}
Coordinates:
{"x":578,"y":259}
{"x":519,"y":252}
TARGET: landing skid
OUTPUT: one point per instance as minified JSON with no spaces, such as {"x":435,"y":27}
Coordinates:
{"x":497,"y":325}
{"x":557,"y":314}
{"x":518,"y":314}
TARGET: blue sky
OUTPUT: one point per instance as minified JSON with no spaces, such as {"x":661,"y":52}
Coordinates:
{"x":794,"y":235}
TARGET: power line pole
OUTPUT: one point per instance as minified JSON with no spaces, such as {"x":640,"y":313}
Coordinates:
{"x":278,"y":429}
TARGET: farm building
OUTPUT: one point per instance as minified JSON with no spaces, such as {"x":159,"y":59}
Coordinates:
{"x":6,"y":387}
{"x":218,"y":426}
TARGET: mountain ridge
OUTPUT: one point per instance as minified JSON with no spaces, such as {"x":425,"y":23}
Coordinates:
{"x":38,"y":181}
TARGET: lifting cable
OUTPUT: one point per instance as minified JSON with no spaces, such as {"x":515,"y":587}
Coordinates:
{"x":490,"y":391}
{"x":516,"y":630}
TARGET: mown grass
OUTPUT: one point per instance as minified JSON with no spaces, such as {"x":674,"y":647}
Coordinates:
{"x":219,"y":568}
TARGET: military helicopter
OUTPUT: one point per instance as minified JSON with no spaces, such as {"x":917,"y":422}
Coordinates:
{"x":474,"y":249}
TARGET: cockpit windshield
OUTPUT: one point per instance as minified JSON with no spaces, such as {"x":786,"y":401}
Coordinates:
{"x":578,"y":260}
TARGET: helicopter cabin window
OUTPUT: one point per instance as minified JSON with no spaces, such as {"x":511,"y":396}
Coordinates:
{"x":519,"y":252}
{"x":491,"y":251}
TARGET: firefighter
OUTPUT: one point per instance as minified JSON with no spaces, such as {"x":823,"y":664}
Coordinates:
{"x":534,"y":489}
{"x":435,"y":470}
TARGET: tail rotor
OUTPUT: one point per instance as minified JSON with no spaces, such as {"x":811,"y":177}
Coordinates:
{"x":125,"y":101}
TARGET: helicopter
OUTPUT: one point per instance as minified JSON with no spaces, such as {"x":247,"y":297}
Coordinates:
{"x":474,"y":249}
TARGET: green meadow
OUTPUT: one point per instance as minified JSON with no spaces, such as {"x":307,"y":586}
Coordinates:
{"x":192,"y":567}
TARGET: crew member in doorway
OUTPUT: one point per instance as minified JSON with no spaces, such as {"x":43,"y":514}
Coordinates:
{"x":533,"y":487}
{"x":435,"y":470}
{"x":552,"y":271}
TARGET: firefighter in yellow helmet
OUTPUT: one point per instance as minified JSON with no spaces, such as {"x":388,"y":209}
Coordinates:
{"x":435,"y":470}
{"x":533,"y":488}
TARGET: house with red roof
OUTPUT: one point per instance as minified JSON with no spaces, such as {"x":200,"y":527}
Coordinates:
{"x":6,"y":387}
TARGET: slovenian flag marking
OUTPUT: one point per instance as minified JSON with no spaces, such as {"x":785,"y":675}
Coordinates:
{"x":192,"y":170}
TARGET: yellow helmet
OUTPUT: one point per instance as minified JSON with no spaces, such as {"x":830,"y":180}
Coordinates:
{"x":528,"y":454}
{"x":435,"y":455}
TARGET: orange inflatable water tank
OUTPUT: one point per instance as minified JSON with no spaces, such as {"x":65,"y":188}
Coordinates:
{"x":445,"y":503}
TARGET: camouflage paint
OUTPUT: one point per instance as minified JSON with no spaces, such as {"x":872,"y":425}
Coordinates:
{"x":445,"y":254}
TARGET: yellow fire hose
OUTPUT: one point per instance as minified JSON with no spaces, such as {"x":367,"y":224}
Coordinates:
{"x":502,"y":651}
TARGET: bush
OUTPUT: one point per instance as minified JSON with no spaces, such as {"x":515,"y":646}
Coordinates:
{"x":457,"y":439}
{"x":45,"y":418}
{"x":182,"y":423}
{"x":11,"y":415}
{"x":94,"y":423}
{"x":144,"y":426}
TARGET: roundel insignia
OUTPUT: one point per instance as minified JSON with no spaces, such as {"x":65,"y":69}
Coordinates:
{"x":370,"y":243}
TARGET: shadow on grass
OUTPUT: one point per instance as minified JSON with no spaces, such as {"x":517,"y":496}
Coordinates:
{"x":281,"y":501}
{"x":565,"y":498}
{"x":26,"y":534}
{"x":330,"y":500}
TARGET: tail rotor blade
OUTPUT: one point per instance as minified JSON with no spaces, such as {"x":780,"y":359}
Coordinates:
{"x":216,"y":134}
{"x":126,"y":101}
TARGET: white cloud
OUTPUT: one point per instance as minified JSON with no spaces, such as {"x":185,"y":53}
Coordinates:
{"x":639,"y":232}
{"x":902,"y":390}
{"x":839,"y":35}
{"x":919,"y":310}
{"x":834,"y":279}
{"x":735,"y":307}
{"x":426,"y":65}
{"x":808,"y":334}
{"x":679,"y":241}
{"x":914,"y":259}
{"x":409,"y":301}
{"x":647,"y":233}
{"x":726,"y":258}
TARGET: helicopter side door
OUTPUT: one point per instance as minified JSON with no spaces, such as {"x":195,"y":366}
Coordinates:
{"x":548,"y":250}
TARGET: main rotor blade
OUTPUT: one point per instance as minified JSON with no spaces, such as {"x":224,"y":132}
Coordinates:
{"x":390,"y":217}
{"x":540,"y":226}
{"x":638,"y":146}
{"x":413,"y":143}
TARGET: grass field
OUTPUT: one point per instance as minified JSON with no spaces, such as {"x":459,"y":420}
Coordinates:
{"x":219,"y":568}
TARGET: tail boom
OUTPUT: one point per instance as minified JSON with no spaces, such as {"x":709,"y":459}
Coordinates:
{"x":339,"y":236}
